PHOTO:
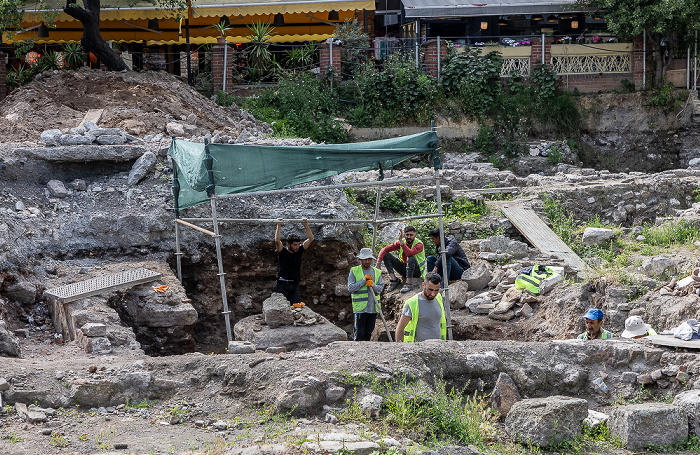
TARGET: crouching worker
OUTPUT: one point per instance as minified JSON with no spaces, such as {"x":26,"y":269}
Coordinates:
{"x":594,"y":322}
{"x":423,"y":317}
{"x":636,"y":328}
{"x":455,"y":256}
{"x":410,"y":263}
{"x":364,"y":302}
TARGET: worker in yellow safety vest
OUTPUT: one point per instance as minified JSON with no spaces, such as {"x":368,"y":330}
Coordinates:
{"x":423,"y":315}
{"x":593,"y":320}
{"x":365,"y":304}
{"x":410,"y":263}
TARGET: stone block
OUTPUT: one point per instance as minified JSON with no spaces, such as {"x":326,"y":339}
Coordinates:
{"x":597,"y":236}
{"x":642,"y":425}
{"x":507,"y":316}
{"x":508,"y":301}
{"x":478,"y":300}
{"x":51,"y":137}
{"x":92,"y":329}
{"x":485,"y":308}
{"x":276,"y":311}
{"x":689,"y":401}
{"x":95,"y":345}
{"x":546,"y":421}
{"x":22,"y":292}
{"x":57,"y":188}
{"x":240,"y":347}
{"x":141,"y":167}
{"x":477,"y":277}
{"x":505,"y":394}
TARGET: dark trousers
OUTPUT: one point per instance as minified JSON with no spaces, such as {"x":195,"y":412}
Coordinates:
{"x":289,"y":289}
{"x":410,"y":269}
{"x":454,"y":270}
{"x":364,"y":326}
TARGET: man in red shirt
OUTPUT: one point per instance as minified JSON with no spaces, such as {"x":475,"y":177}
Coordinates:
{"x":410,"y":263}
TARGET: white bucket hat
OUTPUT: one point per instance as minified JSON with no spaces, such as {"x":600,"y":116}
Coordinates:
{"x":634,"y":327}
{"x":366,"y":253}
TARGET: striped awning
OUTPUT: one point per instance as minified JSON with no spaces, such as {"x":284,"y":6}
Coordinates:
{"x":208,"y":8}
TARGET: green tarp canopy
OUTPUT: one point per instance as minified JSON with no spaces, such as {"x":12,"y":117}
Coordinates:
{"x":246,"y":168}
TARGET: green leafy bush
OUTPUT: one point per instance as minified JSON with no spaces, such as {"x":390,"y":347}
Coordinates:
{"x":301,"y":105}
{"x":665,"y":97}
{"x":473,"y":78}
{"x":385,"y":97}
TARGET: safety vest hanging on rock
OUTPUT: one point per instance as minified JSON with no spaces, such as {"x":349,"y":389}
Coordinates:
{"x":360,"y":298}
{"x":531,"y":277}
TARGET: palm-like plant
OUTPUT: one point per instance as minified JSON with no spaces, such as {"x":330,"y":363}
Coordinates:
{"x":222,"y":28}
{"x":300,"y":58}
{"x":74,"y":55}
{"x":259,"y":54}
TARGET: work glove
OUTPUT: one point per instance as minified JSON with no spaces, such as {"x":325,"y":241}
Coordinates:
{"x":368,"y":280}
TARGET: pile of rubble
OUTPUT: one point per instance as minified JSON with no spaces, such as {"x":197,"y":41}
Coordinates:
{"x":281,"y":326}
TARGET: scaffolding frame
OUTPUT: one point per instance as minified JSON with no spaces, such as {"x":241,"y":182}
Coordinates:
{"x":374,"y":222}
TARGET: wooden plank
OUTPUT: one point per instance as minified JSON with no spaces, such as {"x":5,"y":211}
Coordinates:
{"x":541,"y":236}
{"x":93,"y":115}
{"x":670,"y":340}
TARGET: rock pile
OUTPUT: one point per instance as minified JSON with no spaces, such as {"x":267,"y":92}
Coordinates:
{"x":291,"y":328}
{"x":86,"y":134}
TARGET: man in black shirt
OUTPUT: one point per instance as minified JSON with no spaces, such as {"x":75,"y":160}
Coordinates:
{"x":290,"y":261}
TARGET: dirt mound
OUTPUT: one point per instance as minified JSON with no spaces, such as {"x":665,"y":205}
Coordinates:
{"x":138,"y":102}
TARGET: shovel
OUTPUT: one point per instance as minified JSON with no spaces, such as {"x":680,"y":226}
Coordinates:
{"x":381,"y":315}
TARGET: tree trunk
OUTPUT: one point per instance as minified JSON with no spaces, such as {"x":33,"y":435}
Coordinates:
{"x":663,"y":56}
{"x":92,"y":41}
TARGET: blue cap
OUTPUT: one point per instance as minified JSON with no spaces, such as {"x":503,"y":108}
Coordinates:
{"x":593,"y":314}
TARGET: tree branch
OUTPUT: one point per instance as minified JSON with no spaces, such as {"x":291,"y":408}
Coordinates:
{"x":76,"y":12}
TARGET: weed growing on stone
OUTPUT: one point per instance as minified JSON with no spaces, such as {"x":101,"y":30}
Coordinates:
{"x":592,"y":440}
{"x":58,"y":440}
{"x":353,"y":412}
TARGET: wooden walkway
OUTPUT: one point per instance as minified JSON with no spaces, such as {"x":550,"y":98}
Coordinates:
{"x":541,"y":236}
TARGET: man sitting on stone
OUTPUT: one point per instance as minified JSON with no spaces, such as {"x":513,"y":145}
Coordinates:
{"x":410,"y":263}
{"x":636,"y":328}
{"x":364,"y":302}
{"x":457,"y":261}
{"x":423,"y":316}
{"x":594,"y":330}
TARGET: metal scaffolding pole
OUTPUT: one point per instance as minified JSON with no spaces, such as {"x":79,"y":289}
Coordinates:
{"x":326,"y":187}
{"x":176,"y":197}
{"x":310,"y":221}
{"x":445,"y":278}
{"x":374,"y":221}
{"x":221,"y":273}
{"x":208,"y":161}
